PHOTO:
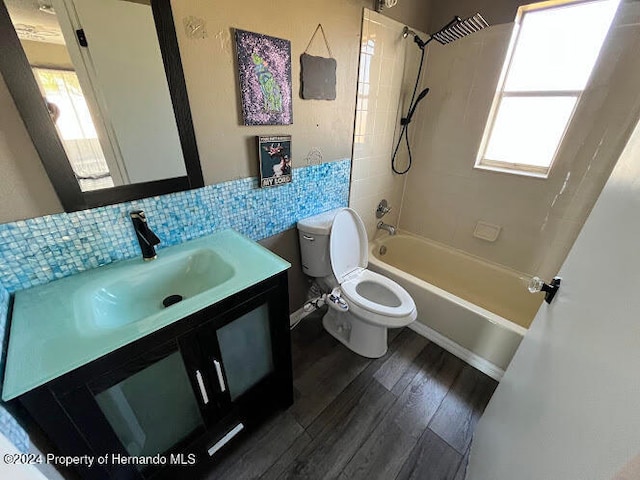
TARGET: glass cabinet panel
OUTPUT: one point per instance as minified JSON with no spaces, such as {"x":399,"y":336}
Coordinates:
{"x":245,"y":348}
{"x":153,"y":409}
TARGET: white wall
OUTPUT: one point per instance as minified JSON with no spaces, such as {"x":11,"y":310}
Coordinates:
{"x":567,"y":407}
{"x":126,"y":56}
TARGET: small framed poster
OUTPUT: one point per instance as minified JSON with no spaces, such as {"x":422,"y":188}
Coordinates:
{"x":274,"y":152}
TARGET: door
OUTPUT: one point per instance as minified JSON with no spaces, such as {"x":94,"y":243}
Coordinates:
{"x":153,"y":404}
{"x":567,"y":407}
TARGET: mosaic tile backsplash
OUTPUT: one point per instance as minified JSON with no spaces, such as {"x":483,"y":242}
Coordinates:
{"x":40,"y":250}
{"x":9,"y":427}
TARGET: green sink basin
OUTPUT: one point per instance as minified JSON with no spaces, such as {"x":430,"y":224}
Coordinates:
{"x":68,"y":323}
{"x":128,"y":295}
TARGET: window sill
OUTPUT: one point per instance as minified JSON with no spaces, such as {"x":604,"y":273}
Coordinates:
{"x":513,"y":171}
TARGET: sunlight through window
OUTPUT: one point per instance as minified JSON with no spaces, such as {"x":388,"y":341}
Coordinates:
{"x":70,"y":113}
{"x":553,"y":51}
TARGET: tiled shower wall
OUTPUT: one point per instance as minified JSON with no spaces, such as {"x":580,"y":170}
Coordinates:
{"x":540,"y":218}
{"x":40,"y":250}
{"x":380,"y":86}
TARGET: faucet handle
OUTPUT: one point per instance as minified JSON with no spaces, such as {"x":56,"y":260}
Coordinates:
{"x":383,"y":208}
{"x":138,"y":214}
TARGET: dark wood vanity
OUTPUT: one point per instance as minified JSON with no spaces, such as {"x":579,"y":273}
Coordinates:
{"x":176,"y":398}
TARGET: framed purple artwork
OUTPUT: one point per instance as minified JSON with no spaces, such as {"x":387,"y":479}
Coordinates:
{"x":264,"y":65}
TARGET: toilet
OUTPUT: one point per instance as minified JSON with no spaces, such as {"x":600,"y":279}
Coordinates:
{"x":362,"y":304}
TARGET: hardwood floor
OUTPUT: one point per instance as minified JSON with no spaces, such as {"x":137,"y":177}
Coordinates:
{"x":408,"y":415}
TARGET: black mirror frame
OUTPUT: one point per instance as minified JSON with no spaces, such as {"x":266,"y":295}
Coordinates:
{"x":22,"y":85}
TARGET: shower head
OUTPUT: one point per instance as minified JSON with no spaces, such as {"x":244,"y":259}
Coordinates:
{"x":458,"y":28}
{"x":452,"y":31}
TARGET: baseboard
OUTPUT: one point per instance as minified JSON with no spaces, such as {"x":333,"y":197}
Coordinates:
{"x":298,"y":315}
{"x":459,"y":351}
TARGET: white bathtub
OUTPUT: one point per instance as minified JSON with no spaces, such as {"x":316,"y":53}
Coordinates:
{"x":476,"y":310}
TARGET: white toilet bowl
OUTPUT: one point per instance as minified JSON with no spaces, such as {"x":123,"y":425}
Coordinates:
{"x":375,"y":303}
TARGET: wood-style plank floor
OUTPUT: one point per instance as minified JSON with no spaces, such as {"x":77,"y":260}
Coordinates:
{"x":408,"y":415}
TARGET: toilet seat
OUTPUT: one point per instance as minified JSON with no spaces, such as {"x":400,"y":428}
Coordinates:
{"x":351,"y":291}
{"x":374,"y":312}
{"x":372,"y":297}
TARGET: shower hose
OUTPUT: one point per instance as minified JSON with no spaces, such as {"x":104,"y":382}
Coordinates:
{"x":405,"y":121}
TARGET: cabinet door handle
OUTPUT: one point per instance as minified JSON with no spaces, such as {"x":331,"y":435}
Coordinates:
{"x":223,"y":387}
{"x":224,"y":440}
{"x":203,"y":390}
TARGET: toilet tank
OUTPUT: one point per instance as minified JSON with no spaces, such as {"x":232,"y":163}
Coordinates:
{"x":313,"y":233}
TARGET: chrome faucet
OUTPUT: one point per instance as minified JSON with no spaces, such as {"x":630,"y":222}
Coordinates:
{"x":385,"y":226}
{"x":146,"y":238}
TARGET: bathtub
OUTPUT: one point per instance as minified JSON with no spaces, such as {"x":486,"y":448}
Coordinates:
{"x":477,"y":310}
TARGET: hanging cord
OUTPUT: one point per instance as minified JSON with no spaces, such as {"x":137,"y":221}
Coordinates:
{"x":326,"y":42}
{"x":407,"y":120}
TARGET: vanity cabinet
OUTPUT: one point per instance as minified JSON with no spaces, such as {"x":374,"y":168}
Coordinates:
{"x":176,"y":397}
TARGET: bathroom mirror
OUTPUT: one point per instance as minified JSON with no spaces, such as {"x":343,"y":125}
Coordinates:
{"x":100,"y":88}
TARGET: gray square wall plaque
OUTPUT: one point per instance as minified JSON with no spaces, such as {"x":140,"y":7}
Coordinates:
{"x":318,"y":77}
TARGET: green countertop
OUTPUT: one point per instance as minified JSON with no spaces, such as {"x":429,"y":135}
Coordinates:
{"x":50,"y":335}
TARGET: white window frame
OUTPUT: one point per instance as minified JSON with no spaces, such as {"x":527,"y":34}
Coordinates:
{"x":520,"y":168}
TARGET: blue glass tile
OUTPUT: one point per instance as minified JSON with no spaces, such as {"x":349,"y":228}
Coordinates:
{"x":39,"y":250}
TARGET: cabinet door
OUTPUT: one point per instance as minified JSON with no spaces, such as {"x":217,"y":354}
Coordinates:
{"x":154,"y":404}
{"x":247,"y":353}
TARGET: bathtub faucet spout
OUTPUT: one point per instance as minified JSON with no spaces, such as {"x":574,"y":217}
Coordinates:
{"x":385,"y":226}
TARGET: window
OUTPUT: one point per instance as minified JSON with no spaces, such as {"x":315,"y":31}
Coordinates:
{"x":553,"y":50}
{"x":70,"y":113}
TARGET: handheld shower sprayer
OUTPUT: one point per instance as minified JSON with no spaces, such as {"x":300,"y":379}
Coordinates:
{"x":452,"y":31}
{"x":407,"y":120}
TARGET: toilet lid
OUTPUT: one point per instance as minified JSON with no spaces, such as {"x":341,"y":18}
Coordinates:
{"x":347,"y":244}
